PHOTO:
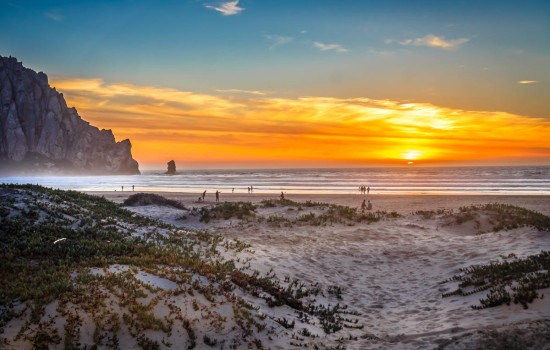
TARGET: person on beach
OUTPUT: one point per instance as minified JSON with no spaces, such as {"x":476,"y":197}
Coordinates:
{"x":251,"y":188}
{"x":132,"y":188}
{"x":203,"y":195}
{"x":233,"y":190}
{"x":122,"y":188}
{"x":248,"y":188}
{"x":218,"y":196}
{"x":369,"y":205}
{"x":282,"y":196}
{"x":368,"y":190}
{"x":200,"y":199}
{"x":363,"y":206}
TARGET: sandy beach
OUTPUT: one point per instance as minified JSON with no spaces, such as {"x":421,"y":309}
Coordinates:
{"x":403,"y":204}
{"x":391,"y":271}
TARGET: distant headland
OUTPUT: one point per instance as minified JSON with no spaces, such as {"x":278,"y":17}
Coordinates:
{"x":39,"y":134}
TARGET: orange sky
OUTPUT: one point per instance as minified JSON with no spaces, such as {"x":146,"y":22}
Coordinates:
{"x":257,"y":129}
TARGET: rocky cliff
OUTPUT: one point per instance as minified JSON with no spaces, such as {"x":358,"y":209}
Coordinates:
{"x":40,"y":134}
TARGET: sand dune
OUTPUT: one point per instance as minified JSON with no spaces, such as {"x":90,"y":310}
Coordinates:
{"x":388,"y":269}
{"x":391,"y":271}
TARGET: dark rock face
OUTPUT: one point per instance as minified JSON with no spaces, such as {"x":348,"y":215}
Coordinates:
{"x":39,"y":133}
{"x":171,"y":168}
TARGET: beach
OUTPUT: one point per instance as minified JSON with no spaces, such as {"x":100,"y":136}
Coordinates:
{"x":391,"y":271}
{"x":165,"y":270}
{"x":403,"y":204}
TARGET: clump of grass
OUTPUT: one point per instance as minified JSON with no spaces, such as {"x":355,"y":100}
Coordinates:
{"x":507,"y":281}
{"x":141,"y":199}
{"x":501,"y":217}
{"x":228,"y":210}
{"x":508,"y":217}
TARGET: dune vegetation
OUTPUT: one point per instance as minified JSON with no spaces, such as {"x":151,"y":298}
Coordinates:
{"x":82,"y":271}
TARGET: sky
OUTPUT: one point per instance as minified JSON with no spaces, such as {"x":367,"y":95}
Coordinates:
{"x":308,"y":83}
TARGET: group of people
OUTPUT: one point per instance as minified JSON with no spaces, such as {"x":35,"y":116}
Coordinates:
{"x":366,"y":205}
{"x":250,"y":189}
{"x":364,"y":189}
{"x":132,"y":188}
{"x":203,"y":196}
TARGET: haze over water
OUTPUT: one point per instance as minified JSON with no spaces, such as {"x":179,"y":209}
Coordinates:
{"x":533,"y":180}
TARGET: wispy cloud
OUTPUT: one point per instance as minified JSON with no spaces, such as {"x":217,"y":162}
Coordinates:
{"x":431,"y":40}
{"x":54,"y":16}
{"x":330,"y":47}
{"x":525,"y":82}
{"x":307,"y":129}
{"x":277,"y":40}
{"x":228,"y":8}
{"x":240,"y":91}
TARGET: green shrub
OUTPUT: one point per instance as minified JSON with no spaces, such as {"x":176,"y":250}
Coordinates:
{"x":141,"y":199}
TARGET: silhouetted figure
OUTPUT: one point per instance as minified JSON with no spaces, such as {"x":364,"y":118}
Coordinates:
{"x":251,"y":188}
{"x":171,"y":168}
{"x":132,"y":188}
{"x":203,"y":195}
{"x":363,"y":206}
{"x":233,"y":190}
{"x":218,"y":196}
{"x":123,"y":188}
{"x":248,"y":188}
{"x":282,"y":196}
{"x":369,"y":205}
{"x":368,"y":190}
{"x":200,"y":199}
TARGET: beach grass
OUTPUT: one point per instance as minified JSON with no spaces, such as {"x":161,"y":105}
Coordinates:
{"x":85,"y":254}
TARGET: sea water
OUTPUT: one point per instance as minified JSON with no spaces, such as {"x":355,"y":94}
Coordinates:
{"x":534,"y":180}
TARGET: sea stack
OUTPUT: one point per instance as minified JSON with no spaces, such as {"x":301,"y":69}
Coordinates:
{"x":171,"y":168}
{"x":40,"y":134}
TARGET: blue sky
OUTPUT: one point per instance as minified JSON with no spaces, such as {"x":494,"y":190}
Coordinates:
{"x":489,"y":56}
{"x":270,"y":45}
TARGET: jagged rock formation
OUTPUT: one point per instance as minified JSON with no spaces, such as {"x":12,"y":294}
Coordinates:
{"x":171,"y":168}
{"x":39,"y":133}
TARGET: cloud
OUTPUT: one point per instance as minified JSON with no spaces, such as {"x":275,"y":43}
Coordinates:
{"x":526,"y":82}
{"x":329,"y":47}
{"x":277,"y":40}
{"x":239,"y":91}
{"x":228,"y":8}
{"x":172,"y":122}
{"x":54,"y":16}
{"x":431,"y":40}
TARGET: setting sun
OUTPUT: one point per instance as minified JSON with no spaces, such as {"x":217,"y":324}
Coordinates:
{"x":412,"y":155}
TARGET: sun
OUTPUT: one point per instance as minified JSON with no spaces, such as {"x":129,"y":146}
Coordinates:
{"x":412,"y":155}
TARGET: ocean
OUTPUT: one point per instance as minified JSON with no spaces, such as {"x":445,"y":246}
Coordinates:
{"x":531,"y":180}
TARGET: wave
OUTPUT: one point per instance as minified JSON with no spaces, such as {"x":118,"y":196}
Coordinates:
{"x":466,"y":180}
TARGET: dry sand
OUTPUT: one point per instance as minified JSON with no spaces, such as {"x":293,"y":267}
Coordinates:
{"x":391,"y":271}
{"x":403,"y":204}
